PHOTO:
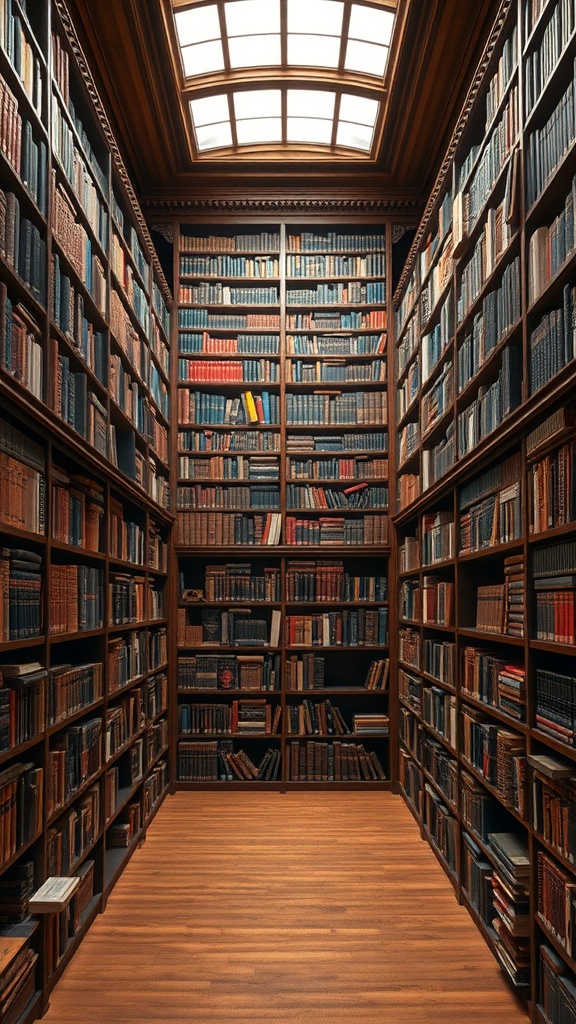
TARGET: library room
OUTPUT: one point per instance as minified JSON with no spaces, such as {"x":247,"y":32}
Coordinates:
{"x":288,"y":511}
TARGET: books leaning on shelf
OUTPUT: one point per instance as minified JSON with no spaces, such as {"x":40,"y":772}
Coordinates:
{"x":54,"y":895}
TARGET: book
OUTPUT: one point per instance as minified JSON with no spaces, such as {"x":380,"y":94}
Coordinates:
{"x":53,"y":895}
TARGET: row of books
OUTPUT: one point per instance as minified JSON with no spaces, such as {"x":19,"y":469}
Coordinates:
{"x":326,"y":265}
{"x":307,"y":672}
{"x":495,"y":152}
{"x":216,"y":760}
{"x":213,"y":409}
{"x":337,"y":469}
{"x":226,"y":529}
{"x":354,"y":320}
{"x":553,"y":341}
{"x":364,"y":408}
{"x":338,"y":294}
{"x":339,"y":345}
{"x":232,"y":467}
{"x":219,"y":294}
{"x":550,"y":246}
{"x":336,"y":761}
{"x":229,"y":628}
{"x":22,"y":470}
{"x":78,"y":174}
{"x":494,"y":680}
{"x":334,"y":371}
{"x":69,"y":838}
{"x":23,"y":246}
{"x":438,"y":400}
{"x":363,"y":530}
{"x":492,"y":243}
{"x":246,"y":242}
{"x":228,"y":441}
{"x":309,"y":718}
{"x":349,"y":628}
{"x":497,"y":754}
{"x":335,"y":241}
{"x":22,"y":705}
{"x":359,"y":495}
{"x":200,"y":496}
{"x":21,"y":807}
{"x":551,"y":474}
{"x":228,"y":266}
{"x":74,"y":757}
{"x":373,"y":441}
{"x":546,"y":146}
{"x":243,"y":344}
{"x":230,"y":672}
{"x":21,"y":583}
{"x":251,"y":715}
{"x":500,"y":607}
{"x":203,"y":319}
{"x":493,"y":403}
{"x":26,"y":154}
{"x":228,"y":371}
{"x":499,"y":313}
{"x":76,"y":245}
{"x":440,"y":825}
{"x":234,"y":581}
{"x":330,"y":581}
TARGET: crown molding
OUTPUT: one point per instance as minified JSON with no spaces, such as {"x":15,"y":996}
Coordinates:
{"x":283,"y":206}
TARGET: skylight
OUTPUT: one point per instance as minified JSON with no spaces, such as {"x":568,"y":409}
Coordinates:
{"x":282,"y":72}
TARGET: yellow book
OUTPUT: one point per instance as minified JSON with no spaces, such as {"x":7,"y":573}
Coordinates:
{"x":251,"y":413}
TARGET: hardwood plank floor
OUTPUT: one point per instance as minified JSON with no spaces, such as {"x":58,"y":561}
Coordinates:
{"x":283,"y":907}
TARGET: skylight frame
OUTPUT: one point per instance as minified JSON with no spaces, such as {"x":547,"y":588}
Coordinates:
{"x":337,"y":80}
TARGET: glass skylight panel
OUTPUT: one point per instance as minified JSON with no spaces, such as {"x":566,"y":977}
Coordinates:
{"x":259,"y":34}
{"x":314,"y":51}
{"x":310,"y":103}
{"x":210,"y":110}
{"x":258,"y":103}
{"x":317,"y":16}
{"x":197,"y":25}
{"x":254,"y":51}
{"x":252,"y":17}
{"x":309,"y":129}
{"x":259,"y":129}
{"x":366,"y":57}
{"x":370,"y":25}
{"x":354,"y":136}
{"x":202,"y":58}
{"x":214,"y":136}
{"x":359,"y":109}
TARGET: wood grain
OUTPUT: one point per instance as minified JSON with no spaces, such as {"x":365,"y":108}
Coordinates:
{"x":283,"y":907}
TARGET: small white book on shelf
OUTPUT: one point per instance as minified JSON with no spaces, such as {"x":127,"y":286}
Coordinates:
{"x":53,"y":895}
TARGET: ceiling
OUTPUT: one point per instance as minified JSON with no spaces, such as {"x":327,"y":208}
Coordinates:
{"x":128,"y":46}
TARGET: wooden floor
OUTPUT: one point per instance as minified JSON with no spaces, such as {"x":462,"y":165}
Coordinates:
{"x":283,"y":907}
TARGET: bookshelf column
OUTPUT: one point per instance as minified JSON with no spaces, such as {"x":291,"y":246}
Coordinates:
{"x":282,"y":444}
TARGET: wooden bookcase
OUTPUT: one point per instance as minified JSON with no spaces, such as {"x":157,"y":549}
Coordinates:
{"x":485,"y":530}
{"x":85,"y":526}
{"x":281,"y":502}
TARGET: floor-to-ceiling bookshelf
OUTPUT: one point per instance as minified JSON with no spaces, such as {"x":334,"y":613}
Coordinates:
{"x":84,"y":503}
{"x":282,"y":503}
{"x":486,"y":520}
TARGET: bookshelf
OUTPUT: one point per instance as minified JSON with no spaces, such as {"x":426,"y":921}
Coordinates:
{"x":85,"y":522}
{"x":484,"y":383}
{"x":282,"y":445}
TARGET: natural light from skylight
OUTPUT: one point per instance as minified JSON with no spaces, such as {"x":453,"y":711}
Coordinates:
{"x":223,"y":37}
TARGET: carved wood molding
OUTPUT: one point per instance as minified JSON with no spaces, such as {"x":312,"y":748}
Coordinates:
{"x":281,"y":206}
{"x":84,"y":69}
{"x":454,"y":141}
